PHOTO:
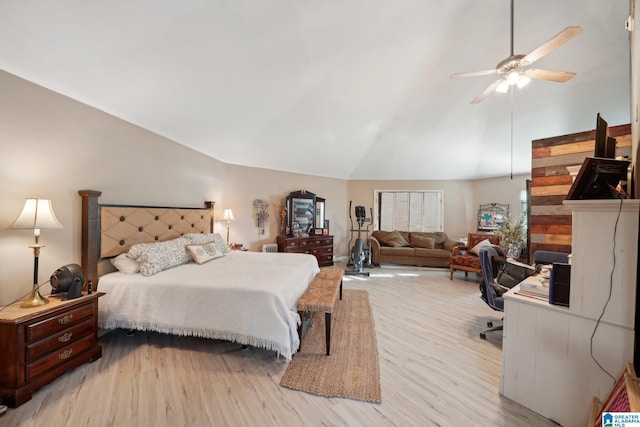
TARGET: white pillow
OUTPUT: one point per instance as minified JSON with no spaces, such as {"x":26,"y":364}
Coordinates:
{"x":155,"y":257}
{"x":125,"y":264}
{"x":205,"y":252}
{"x":476,"y":249}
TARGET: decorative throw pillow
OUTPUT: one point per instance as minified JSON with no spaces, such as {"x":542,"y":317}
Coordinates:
{"x":422,"y":242}
{"x":200,"y":238}
{"x":476,"y":249}
{"x":204,"y":252}
{"x":394,"y":239}
{"x":125,"y":264}
{"x":155,"y":257}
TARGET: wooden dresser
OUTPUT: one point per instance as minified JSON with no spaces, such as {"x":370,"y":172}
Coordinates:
{"x":39,"y":344}
{"x":320,"y":246}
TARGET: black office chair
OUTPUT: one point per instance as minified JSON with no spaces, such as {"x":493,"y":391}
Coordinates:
{"x":488,"y":292}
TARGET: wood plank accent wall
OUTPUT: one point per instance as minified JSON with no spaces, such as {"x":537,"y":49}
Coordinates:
{"x":549,"y":219}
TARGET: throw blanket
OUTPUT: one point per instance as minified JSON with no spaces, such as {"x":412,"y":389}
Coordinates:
{"x":245,"y":297}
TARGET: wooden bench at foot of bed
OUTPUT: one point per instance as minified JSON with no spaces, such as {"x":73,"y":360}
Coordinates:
{"x":320,"y":296}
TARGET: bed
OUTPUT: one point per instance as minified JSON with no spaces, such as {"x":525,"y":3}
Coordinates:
{"x":245,"y":297}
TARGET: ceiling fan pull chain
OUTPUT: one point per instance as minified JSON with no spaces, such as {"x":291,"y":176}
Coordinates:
{"x":511,"y":130}
{"x":511,"y":51}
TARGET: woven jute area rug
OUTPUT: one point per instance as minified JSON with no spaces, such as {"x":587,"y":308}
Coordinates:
{"x":352,"y":369}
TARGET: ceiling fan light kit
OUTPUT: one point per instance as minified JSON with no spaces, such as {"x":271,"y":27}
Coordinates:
{"x":512,"y":71}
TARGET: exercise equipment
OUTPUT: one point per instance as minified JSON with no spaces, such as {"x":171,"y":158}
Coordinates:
{"x":359,"y":255}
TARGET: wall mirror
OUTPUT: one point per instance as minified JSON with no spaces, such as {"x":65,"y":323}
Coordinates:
{"x":300,"y":213}
{"x":305,"y":214}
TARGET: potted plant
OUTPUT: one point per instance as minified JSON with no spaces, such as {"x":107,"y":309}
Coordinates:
{"x":512,"y":238}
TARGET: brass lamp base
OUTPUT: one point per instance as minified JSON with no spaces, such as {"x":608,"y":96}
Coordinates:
{"x":35,"y":300}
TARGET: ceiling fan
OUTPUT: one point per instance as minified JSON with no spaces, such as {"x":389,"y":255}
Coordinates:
{"x":513,"y":70}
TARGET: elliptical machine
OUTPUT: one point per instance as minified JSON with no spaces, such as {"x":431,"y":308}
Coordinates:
{"x":358,"y":255}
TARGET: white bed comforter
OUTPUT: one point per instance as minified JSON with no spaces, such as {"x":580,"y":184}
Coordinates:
{"x":245,"y":297}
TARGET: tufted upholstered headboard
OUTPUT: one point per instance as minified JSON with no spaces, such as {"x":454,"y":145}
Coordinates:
{"x":109,"y":230}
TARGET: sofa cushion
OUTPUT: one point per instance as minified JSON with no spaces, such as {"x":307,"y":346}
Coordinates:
{"x":379,"y":235}
{"x":394,"y":239}
{"x":419,"y":241}
{"x":438,"y":237}
{"x":397,"y":251}
{"x":432,"y":253}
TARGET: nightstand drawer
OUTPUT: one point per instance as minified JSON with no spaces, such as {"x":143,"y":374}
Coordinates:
{"x":58,"y":357}
{"x":46,"y":328}
{"x":59,"y":340}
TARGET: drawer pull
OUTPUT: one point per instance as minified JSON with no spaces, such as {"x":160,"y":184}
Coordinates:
{"x":65,"y":319}
{"x":65,"y":354}
{"x":66,"y":337}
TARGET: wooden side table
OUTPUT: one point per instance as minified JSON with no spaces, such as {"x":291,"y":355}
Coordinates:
{"x":41,"y":343}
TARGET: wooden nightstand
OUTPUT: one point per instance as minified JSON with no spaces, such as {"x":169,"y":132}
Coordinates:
{"x":39,"y":344}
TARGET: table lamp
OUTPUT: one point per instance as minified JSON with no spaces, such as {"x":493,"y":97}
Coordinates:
{"x":36,"y":214}
{"x":227,"y":215}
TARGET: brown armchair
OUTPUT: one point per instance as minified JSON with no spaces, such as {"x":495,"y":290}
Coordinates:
{"x":463,"y":259}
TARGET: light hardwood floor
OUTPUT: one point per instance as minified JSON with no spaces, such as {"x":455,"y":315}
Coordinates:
{"x":434,"y":369}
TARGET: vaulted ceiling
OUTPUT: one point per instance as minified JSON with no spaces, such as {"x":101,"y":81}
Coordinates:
{"x":354,"y":89}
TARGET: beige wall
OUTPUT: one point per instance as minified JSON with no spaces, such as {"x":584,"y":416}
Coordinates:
{"x":245,"y":184}
{"x":500,"y":190}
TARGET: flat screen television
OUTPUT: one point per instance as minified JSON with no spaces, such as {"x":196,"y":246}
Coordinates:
{"x":598,"y":179}
{"x":605,"y":146}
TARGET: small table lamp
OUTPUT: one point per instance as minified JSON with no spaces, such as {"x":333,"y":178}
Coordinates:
{"x":36,"y":214}
{"x":227,"y":215}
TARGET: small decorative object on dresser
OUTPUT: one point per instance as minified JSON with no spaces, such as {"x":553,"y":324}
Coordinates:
{"x":41,"y":343}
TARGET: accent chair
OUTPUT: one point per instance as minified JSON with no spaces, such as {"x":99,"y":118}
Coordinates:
{"x":465,"y":258}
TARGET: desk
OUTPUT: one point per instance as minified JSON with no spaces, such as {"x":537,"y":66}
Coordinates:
{"x":546,"y":363}
{"x":546,"y":354}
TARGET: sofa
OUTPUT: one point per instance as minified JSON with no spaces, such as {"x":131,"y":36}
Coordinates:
{"x":411,"y":248}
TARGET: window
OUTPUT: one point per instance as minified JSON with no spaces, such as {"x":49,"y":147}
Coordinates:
{"x":410,"y":210}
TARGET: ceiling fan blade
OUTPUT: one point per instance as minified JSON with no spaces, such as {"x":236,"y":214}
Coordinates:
{"x":486,"y":92}
{"x":550,"y":75}
{"x":556,"y":41}
{"x":474,"y":73}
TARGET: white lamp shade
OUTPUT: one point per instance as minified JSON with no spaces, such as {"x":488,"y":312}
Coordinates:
{"x":36,"y":214}
{"x":523,"y":81}
{"x":227,"y":215}
{"x":503,"y":87}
